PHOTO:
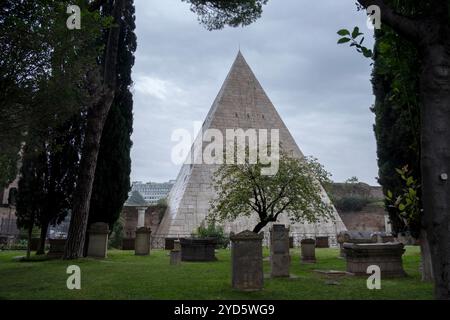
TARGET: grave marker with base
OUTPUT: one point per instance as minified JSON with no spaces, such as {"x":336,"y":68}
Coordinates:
{"x":247,"y":261}
{"x":280,"y":259}
{"x":142,"y":242}
{"x":98,"y":240}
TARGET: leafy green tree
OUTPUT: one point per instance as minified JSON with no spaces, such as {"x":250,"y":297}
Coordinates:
{"x":104,"y":85}
{"x":295,"y":190}
{"x":426,"y":25}
{"x":48,"y":178}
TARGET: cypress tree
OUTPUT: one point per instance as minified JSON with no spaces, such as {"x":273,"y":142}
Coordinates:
{"x":112,"y":175}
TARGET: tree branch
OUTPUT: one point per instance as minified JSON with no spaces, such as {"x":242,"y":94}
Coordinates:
{"x":405,"y":26}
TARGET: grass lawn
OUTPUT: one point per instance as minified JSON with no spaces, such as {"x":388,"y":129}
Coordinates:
{"x":126,"y":276}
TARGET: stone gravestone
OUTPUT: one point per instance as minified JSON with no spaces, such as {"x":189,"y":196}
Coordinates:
{"x":98,"y":240}
{"x":247,"y":261}
{"x":280,"y":259}
{"x":142,"y":241}
{"x":308,"y":250}
{"x":388,"y":256}
{"x":322,"y":242}
{"x":175,"y":253}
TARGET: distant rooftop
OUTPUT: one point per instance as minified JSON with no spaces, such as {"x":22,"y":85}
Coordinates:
{"x":135,"y":200}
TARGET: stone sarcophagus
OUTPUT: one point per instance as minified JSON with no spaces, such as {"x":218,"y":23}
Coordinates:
{"x":387,"y":256}
{"x":361,"y":237}
{"x":198,"y":249}
{"x":280,"y":259}
{"x":247,"y":261}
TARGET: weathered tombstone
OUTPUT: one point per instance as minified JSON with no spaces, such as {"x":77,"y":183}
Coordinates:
{"x":308,"y":250}
{"x":142,"y":241}
{"x":175,"y":253}
{"x":98,"y":240}
{"x":198,"y":249}
{"x":56,"y":248}
{"x":387,"y":256}
{"x":247,"y":261}
{"x":280,"y":259}
{"x":322,"y":242}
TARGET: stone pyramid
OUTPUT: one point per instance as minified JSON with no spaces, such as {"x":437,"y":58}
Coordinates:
{"x":241,"y":103}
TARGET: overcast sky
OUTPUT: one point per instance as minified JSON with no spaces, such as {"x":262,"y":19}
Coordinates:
{"x":321,"y":90}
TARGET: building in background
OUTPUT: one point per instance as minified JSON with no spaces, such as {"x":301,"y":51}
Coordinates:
{"x":152,"y":192}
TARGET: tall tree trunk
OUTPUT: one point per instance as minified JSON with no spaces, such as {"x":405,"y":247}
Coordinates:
{"x":30,"y":235}
{"x":259,"y":226}
{"x":435,"y":136}
{"x":42,"y":238}
{"x":425,"y":258}
{"x":96,"y":120}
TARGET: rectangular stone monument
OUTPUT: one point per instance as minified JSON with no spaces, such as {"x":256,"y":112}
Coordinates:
{"x":388,"y":256}
{"x":175,"y":253}
{"x":247,"y":261}
{"x":142,"y":242}
{"x":98,"y":240}
{"x":308,"y":250}
{"x":322,"y":242}
{"x":280,"y":259}
{"x":56,"y":248}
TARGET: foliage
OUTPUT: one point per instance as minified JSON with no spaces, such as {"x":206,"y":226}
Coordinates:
{"x":408,"y":203}
{"x":211,"y":230}
{"x":42,"y":72}
{"x":112,"y":174}
{"x":352,"y":180}
{"x":216,"y":14}
{"x":395,"y":80}
{"x":295,"y":189}
{"x":115,"y":240}
{"x":351,"y":203}
{"x":356,"y":39}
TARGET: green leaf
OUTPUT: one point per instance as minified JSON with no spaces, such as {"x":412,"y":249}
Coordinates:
{"x":343,"y":40}
{"x":389,"y":194}
{"x":355,"y":32}
{"x":343,"y":32}
{"x":401,"y":207}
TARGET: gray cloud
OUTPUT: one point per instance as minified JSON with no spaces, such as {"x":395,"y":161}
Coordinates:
{"x":321,"y":90}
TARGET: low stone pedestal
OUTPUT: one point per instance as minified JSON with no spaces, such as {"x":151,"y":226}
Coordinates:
{"x":322,"y":242}
{"x":198,"y":249}
{"x":142,"y":242}
{"x":308,"y":251}
{"x":247,"y":261}
{"x":175,"y":253}
{"x":98,"y":240}
{"x":56,"y":248}
{"x":280,"y":259}
{"x":388,"y":256}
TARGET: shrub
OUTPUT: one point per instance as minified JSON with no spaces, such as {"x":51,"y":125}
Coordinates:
{"x":213,"y":231}
{"x":351,"y":203}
